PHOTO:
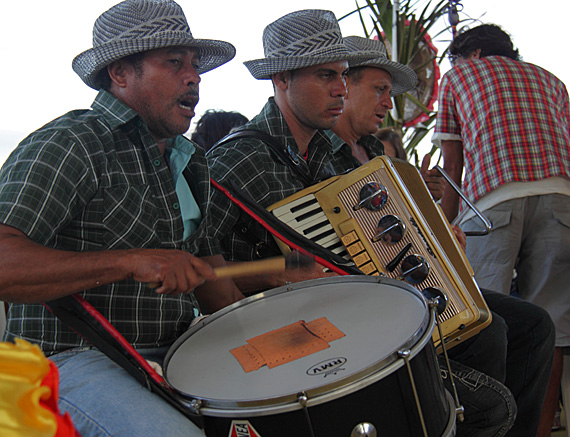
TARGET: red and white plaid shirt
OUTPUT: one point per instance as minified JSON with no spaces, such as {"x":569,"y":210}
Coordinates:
{"x":513,"y":119}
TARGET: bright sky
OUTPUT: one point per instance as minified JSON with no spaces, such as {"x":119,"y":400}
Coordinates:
{"x":39,"y":39}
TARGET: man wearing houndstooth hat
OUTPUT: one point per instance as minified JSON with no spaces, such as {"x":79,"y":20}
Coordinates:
{"x":100,"y":202}
{"x":306,"y":60}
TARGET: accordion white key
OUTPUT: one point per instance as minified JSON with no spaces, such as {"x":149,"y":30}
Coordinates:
{"x":382,"y":217}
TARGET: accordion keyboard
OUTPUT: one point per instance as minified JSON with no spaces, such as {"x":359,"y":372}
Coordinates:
{"x":306,"y":216}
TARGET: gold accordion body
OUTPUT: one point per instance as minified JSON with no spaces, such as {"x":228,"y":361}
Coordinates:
{"x":382,"y":217}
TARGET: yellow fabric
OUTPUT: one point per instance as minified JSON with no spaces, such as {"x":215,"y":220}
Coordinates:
{"x":23,"y":366}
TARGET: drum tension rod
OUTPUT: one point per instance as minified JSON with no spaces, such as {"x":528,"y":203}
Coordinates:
{"x":459,"y":409}
{"x":405,"y":354}
{"x":302,"y":399}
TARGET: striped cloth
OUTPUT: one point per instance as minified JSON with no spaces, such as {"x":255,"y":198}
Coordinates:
{"x":343,"y":160}
{"x":251,"y":166}
{"x":95,"y":180}
{"x":513,"y":119}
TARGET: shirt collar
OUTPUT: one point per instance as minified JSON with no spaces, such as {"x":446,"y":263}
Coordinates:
{"x":179,"y":149}
{"x":336,"y":141}
{"x":112,"y":110}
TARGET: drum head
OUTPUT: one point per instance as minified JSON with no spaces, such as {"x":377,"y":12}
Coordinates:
{"x":377,"y":316}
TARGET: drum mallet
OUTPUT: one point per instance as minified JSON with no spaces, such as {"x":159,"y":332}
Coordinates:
{"x":294,"y":260}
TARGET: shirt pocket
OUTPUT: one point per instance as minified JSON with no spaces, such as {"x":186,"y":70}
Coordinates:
{"x":561,"y":209}
{"x":130,"y":217}
{"x":559,"y":230}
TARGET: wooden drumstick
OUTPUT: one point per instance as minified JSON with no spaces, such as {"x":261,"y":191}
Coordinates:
{"x":294,"y":260}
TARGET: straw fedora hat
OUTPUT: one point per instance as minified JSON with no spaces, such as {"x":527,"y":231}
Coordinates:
{"x":135,"y":26}
{"x":301,"y":39}
{"x":403,"y":77}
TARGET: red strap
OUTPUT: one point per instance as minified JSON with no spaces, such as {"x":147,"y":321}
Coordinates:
{"x":276,"y":234}
{"x":119,"y":338}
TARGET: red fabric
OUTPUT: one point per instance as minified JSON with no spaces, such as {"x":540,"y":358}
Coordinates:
{"x":65,"y":426}
{"x":513,"y":119}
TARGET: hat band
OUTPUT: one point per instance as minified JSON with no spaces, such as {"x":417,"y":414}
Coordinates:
{"x":317,"y":43}
{"x":173,"y":23}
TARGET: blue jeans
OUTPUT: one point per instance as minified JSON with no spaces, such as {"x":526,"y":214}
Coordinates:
{"x":104,"y":400}
{"x":490,"y":408}
{"x":516,"y":349}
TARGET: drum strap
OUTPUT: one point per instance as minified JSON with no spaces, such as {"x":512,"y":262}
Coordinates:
{"x":288,"y":235}
{"x":86,"y":321}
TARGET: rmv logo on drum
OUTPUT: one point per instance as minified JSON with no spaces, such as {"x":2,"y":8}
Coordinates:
{"x":328,"y":367}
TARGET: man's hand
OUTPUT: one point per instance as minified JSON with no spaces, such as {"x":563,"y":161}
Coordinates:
{"x":460,"y":235}
{"x":30,"y":272}
{"x":174,"y":271}
{"x":433,"y":179}
{"x":252,"y":284}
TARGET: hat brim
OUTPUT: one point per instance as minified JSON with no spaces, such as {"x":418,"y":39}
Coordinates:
{"x":88,"y":64}
{"x":403,"y":77}
{"x":266,"y":67}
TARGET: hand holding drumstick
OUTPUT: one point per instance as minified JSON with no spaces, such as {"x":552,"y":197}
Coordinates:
{"x":294,"y":260}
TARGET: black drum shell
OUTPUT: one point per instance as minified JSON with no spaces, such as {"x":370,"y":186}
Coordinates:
{"x":388,"y":404}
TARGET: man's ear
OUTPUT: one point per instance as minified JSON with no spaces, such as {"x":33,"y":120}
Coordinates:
{"x":347,"y":86}
{"x":118,"y":73}
{"x":475,"y":55}
{"x":281,"y":80}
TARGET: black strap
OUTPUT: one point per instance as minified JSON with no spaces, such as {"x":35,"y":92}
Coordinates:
{"x":287,"y":155}
{"x":76,"y":313}
{"x":283,"y":231}
{"x":249,"y":232}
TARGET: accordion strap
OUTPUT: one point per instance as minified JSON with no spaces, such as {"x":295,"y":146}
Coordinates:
{"x":288,"y":235}
{"x":286,"y":154}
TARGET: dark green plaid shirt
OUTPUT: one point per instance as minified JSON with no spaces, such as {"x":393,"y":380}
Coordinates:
{"x":252,"y":167}
{"x":95,"y":180}
{"x":343,"y":160}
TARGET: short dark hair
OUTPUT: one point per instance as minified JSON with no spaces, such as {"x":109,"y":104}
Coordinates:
{"x":388,"y":134}
{"x":490,"y":38}
{"x":214,"y":125}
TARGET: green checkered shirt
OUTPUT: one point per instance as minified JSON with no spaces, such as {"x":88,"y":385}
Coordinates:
{"x":251,"y":166}
{"x":343,"y":160}
{"x":95,"y":180}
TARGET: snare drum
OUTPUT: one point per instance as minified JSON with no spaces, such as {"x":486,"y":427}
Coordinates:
{"x":360,"y":382}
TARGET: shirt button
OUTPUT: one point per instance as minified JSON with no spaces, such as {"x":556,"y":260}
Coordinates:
{"x":157,"y":162}
{"x":175,"y":205}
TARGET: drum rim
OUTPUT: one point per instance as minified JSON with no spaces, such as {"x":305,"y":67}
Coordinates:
{"x":316,"y":395}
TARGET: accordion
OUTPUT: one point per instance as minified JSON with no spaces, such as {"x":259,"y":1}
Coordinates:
{"x":383,"y":218}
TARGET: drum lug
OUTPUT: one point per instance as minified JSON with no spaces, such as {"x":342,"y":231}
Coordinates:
{"x":302,"y":399}
{"x":364,"y":429}
{"x":195,"y":406}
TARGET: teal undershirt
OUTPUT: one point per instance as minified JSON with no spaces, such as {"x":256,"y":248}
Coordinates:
{"x":179,"y":151}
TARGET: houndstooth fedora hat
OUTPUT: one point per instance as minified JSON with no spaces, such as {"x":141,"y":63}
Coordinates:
{"x":301,"y":39}
{"x":403,"y":77}
{"x":135,"y":26}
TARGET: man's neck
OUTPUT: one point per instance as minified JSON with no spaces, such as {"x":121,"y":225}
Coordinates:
{"x":301,"y":133}
{"x":344,"y":130}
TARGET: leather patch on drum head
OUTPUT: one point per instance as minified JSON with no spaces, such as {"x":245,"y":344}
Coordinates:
{"x":286,"y":344}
